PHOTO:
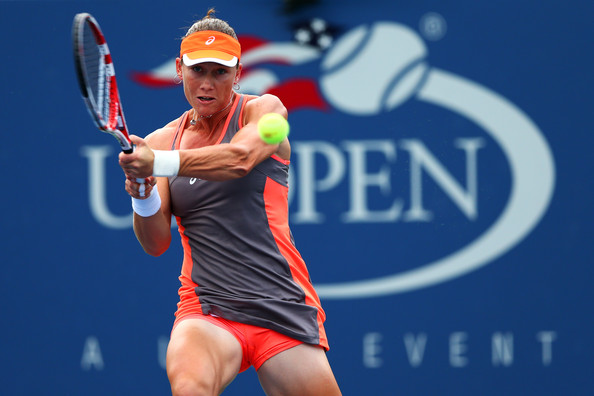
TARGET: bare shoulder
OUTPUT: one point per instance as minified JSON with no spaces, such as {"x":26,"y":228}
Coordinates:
{"x":256,"y":107}
{"x":260,"y":105}
{"x":162,"y":138}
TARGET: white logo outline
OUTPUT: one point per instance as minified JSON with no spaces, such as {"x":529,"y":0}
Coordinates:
{"x":533,"y":181}
{"x":523,"y":144}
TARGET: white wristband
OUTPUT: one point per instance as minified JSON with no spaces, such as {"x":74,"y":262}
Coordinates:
{"x":166,"y":163}
{"x":147,"y":207}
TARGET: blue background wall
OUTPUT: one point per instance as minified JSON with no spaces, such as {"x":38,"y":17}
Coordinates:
{"x":85,"y":312}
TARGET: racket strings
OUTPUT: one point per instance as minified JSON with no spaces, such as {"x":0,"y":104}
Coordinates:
{"x":98,"y":75}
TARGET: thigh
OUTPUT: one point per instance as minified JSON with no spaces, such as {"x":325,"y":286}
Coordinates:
{"x":202,"y":356}
{"x":302,"y":370}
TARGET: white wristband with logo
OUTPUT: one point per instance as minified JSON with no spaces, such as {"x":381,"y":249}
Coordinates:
{"x":166,"y":163}
{"x":147,"y":207}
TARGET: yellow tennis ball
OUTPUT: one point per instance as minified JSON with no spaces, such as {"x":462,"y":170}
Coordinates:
{"x":273,"y":128}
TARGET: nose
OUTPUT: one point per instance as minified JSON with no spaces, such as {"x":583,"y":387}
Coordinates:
{"x":206,"y":83}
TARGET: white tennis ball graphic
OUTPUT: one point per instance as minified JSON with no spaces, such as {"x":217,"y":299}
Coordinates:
{"x":373,"y":68}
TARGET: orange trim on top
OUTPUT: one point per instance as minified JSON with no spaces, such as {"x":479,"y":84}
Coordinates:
{"x":229,"y":117}
{"x":275,"y":202}
{"x":281,"y":160}
{"x":240,"y":121}
{"x":189,"y":302}
{"x":180,"y":124}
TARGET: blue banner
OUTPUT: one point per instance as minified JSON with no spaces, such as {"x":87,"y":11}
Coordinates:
{"x":441,"y":192}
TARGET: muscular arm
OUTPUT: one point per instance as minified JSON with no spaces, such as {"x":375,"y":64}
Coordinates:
{"x":223,"y":161}
{"x":154,"y":232}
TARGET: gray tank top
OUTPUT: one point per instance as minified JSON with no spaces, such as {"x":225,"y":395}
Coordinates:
{"x":244,"y":269}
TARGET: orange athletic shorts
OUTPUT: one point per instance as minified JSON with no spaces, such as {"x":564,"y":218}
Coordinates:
{"x":257,"y":343}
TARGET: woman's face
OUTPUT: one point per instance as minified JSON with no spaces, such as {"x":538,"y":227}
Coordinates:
{"x":208,"y":86}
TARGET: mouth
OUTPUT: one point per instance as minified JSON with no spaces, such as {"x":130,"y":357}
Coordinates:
{"x":205,"y":99}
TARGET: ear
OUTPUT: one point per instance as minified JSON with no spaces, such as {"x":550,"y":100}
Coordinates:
{"x":178,"y":68}
{"x":238,"y":73}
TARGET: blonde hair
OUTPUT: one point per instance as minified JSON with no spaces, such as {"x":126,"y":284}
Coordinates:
{"x":210,"y":22}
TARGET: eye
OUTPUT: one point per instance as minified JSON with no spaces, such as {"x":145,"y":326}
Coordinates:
{"x":197,"y":68}
{"x":221,"y":71}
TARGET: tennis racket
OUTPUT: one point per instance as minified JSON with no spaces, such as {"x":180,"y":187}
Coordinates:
{"x":97,"y":81}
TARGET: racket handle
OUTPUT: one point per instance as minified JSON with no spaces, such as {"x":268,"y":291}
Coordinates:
{"x":141,"y":189}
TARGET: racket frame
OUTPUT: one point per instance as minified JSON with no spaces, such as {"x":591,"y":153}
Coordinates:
{"x":115,"y":125}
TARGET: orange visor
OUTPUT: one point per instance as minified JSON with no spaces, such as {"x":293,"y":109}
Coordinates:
{"x":210,"y":46}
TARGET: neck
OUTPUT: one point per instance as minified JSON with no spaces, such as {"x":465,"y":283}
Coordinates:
{"x":205,"y":117}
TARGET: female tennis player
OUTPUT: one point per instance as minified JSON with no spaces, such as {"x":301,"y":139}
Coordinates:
{"x":246,"y":298}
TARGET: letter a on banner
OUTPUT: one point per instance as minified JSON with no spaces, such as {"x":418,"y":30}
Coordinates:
{"x":91,"y":356}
